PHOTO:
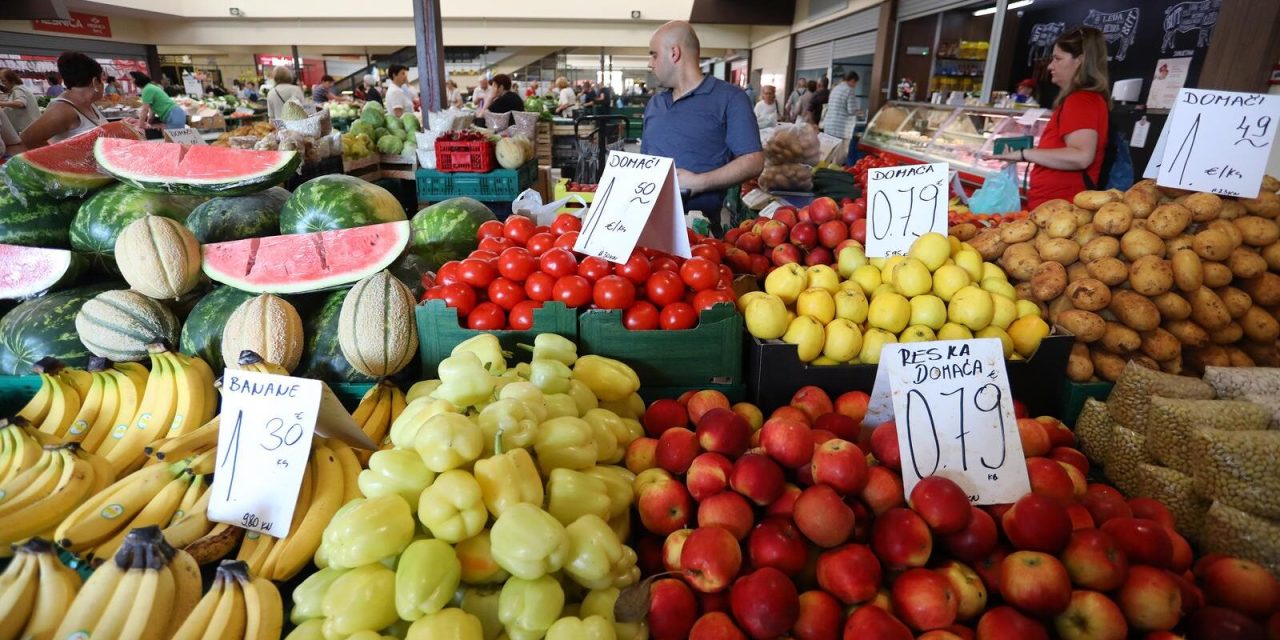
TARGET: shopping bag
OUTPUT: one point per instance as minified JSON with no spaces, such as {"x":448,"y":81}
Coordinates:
{"x":529,"y":203}
{"x":998,"y":193}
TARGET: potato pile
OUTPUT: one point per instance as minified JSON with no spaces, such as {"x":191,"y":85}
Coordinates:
{"x":1170,"y":279}
{"x":789,"y":156}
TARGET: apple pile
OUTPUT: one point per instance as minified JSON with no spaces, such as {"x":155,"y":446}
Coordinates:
{"x":797,"y":526}
{"x":813,"y":234}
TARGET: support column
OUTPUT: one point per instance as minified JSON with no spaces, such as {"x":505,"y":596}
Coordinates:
{"x":428,"y":31}
{"x":297,"y":66}
{"x":882,"y":64}
{"x":1227,"y":66}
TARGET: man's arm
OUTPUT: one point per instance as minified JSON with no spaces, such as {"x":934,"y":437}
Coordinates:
{"x":737,"y":171}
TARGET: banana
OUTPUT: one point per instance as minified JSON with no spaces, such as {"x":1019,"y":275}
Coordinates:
{"x":78,"y":378}
{"x":92,"y":601}
{"x":103,"y":515}
{"x":198,"y":440}
{"x":186,"y":589}
{"x":49,"y":508}
{"x":103,"y":475}
{"x":155,"y":414}
{"x":367,"y":402}
{"x":63,"y":408}
{"x":264,"y":609}
{"x":136,"y":371}
{"x":350,"y":469}
{"x":18,"y":588}
{"x":216,"y":544}
{"x":228,"y":619}
{"x":398,"y":402}
{"x":116,"y":614}
{"x":31,"y":484}
{"x":196,"y":488}
{"x":190,"y":407}
{"x":90,"y":408}
{"x":201,"y":617}
{"x":193,"y":525}
{"x":20,"y":449}
{"x":58,"y":587}
{"x":152,"y":606}
{"x":107,"y":413}
{"x":209,"y":384}
{"x":130,"y":387}
{"x":270,"y":553}
{"x":293,"y":553}
{"x":38,"y":406}
{"x":158,"y":511}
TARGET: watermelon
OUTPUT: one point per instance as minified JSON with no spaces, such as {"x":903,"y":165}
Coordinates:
{"x":165,"y":167}
{"x":408,"y":269}
{"x":202,"y":331}
{"x":321,"y":357}
{"x":64,"y":169}
{"x":447,"y":230}
{"x":26,"y":272}
{"x":338,"y":201}
{"x":40,"y":222}
{"x":46,"y":326}
{"x":306,"y":262}
{"x":238,"y":217}
{"x":106,"y":213}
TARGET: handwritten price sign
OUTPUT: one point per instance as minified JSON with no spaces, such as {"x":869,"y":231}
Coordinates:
{"x":1218,"y":142}
{"x":637,"y":203}
{"x":264,"y":443}
{"x":904,"y":203}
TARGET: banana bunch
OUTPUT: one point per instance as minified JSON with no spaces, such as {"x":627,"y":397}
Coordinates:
{"x":238,"y":606}
{"x":20,"y":447}
{"x":179,"y":397}
{"x":198,"y":441}
{"x":112,"y":398}
{"x":36,"y":499}
{"x":35,"y":591}
{"x":57,"y":402}
{"x":146,"y":591}
{"x":379,"y":407}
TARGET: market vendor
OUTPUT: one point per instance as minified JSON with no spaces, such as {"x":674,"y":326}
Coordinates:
{"x":72,"y":112}
{"x":706,"y":124}
{"x":1068,"y":158}
{"x":504,"y":99}
{"x":156,"y":101}
{"x":323,"y":91}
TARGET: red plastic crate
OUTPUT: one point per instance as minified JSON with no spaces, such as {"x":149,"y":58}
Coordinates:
{"x":475,"y":156}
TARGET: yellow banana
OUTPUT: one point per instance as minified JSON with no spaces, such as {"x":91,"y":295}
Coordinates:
{"x":296,"y":550}
{"x":58,"y":587}
{"x":155,"y":414}
{"x":38,"y":406}
{"x":158,"y":511}
{"x":103,"y":515}
{"x":32,"y":484}
{"x":367,"y":402}
{"x":103,"y":475}
{"x":186,"y":589}
{"x":136,"y":371}
{"x":116,"y":614}
{"x":19,"y":585}
{"x":350,"y":469}
{"x":20,"y":449}
{"x":78,"y":378}
{"x":152,"y":606}
{"x":193,"y":524}
{"x":264,"y":609}
{"x":90,"y":408}
{"x":130,"y":389}
{"x":228,"y":620}
{"x":189,"y":409}
{"x":49,"y":508}
{"x":199,"y":440}
{"x":63,"y":408}
{"x":201,"y":617}
{"x":209,"y":385}
{"x":92,"y":601}
{"x":196,"y":488}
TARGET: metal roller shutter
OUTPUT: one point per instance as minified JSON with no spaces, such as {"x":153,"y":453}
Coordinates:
{"x":852,"y":24}
{"x":859,"y":45}
{"x":816,"y":57}
{"x":908,"y":9}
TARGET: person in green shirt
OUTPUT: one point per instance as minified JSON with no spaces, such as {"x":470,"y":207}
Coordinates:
{"x":156,"y":101}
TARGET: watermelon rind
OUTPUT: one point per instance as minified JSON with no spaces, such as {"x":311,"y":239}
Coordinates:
{"x":39,"y":222}
{"x":63,"y":169}
{"x":107,"y":152}
{"x":46,"y":326}
{"x":28,"y":272}
{"x":322,"y":358}
{"x":105,"y":214}
{"x":447,"y":230}
{"x":202,"y":330}
{"x":238,"y":217}
{"x":336,"y":201}
{"x":231,"y":263}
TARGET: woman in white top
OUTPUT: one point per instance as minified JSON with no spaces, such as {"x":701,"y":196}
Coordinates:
{"x":568,"y":101}
{"x":72,"y":112}
{"x":455,"y":96}
{"x":284,"y":91}
{"x":398,"y":100}
{"x":20,"y":106}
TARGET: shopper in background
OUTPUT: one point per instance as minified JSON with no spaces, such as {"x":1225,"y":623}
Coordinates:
{"x":245,"y":91}
{"x":323,"y":91}
{"x":792,"y":109}
{"x":113,"y":87}
{"x":533,"y":91}
{"x":19,"y":103}
{"x":398,"y":101}
{"x":589,"y":97}
{"x":157,"y":106}
{"x":283,"y":91}
{"x":367,"y":90}
{"x":481,"y":95}
{"x":454,"y":96}
{"x":72,"y":112}
{"x":568,"y":100}
{"x":818,"y":102}
{"x":10,"y":141}
{"x":802,"y":105}
{"x":1069,"y":156}
{"x":751,"y":93}
{"x":1024,"y":93}
{"x":768,"y":111}
{"x":55,"y":85}
{"x":504,"y":98}
{"x":842,"y":111}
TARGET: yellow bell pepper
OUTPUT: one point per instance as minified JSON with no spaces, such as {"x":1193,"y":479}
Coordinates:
{"x":565,"y":442}
{"x":599,"y":602}
{"x":609,"y":379}
{"x":561,"y":405}
{"x":597,"y":559}
{"x":451,"y":623}
{"x":528,"y":608}
{"x":621,"y":526}
{"x":511,"y":418}
{"x":357,"y":601}
{"x":589,"y":628}
{"x":308,"y":597}
{"x":574,"y":494}
{"x":611,"y":435}
{"x":405,"y":427}
{"x":618,"y":482}
{"x":488,"y":349}
{"x":452,"y":508}
{"x":551,"y":376}
{"x":448,"y":441}
{"x":483,"y":604}
{"x":555,"y":347}
{"x":398,"y":471}
{"x":508,"y":478}
{"x":475,"y":554}
{"x":366,"y":530}
{"x":582,"y":396}
{"x":528,"y":542}
{"x":463,"y":380}
{"x":427,"y":574}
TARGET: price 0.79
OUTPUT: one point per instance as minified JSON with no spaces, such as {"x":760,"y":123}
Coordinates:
{"x":274,"y":435}
{"x":918,"y":202}
{"x":984,"y":406}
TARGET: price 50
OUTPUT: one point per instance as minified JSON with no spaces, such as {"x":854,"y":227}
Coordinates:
{"x":902,"y":208}
{"x":981,"y":405}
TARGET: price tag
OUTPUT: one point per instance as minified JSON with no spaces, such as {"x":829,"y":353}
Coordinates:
{"x":1029,"y":118}
{"x":955,"y":419}
{"x":903,"y":204}
{"x":264,"y":443}
{"x":192,"y":87}
{"x":637,"y":203}
{"x":1140,"y":130}
{"x":185,"y":135}
{"x":1219,"y":142}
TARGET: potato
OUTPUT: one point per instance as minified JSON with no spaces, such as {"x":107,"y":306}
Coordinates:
{"x":1106,"y":365}
{"x":1207,"y":309}
{"x":1172,"y":192}
{"x":1168,"y":220}
{"x":1048,"y":281}
{"x":1172,"y":306}
{"x":1257,"y":232}
{"x":988,"y":243}
{"x":1264,"y":289}
{"x":1040,"y":216}
{"x":1263,"y":354}
{"x":1239,"y":358}
{"x":1061,"y":250}
{"x":1138,"y":223}
{"x":1083,"y":216}
{"x":1084,"y":233}
{"x":1270,"y":184}
{"x":1229,"y":227}
{"x":1140,"y":242}
{"x":1236,"y":301}
{"x":1203,"y":206}
{"x":1110,"y":271}
{"x":1113,"y":219}
{"x":1174,"y":245}
{"x":1271,"y":253}
{"x":1061,"y":225}
{"x":1079,"y":365}
{"x":1187,"y":271}
{"x":1266,"y":205}
{"x":1023,"y":291}
{"x":1142,"y":198}
{"x":1246,"y":263}
{"x":1135,"y":310}
{"x":1055,"y":308}
{"x":1089,"y":294}
{"x":1093,"y":200}
{"x":1020,"y":260}
{"x":1173,"y":365}
{"x":1120,"y":339}
{"x":963,"y":231}
{"x":1216,"y":274}
{"x":1150,"y":276}
{"x":1077,"y":271}
{"x":1086,"y":326}
{"x":1187,"y":332}
{"x":1232,"y":209}
{"x":1259,"y":325}
{"x":1017,"y":231}
{"x":1212,"y":244}
{"x":1230,"y":334}
{"x":1160,"y":345}
{"x":1208,"y":356}
{"x":1098,"y":248}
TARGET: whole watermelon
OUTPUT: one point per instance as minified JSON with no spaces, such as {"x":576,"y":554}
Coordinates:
{"x":321,"y":356}
{"x":447,"y":230}
{"x":39,"y":223}
{"x":202,"y":331}
{"x":238,"y":217}
{"x":46,"y":326}
{"x":408,"y":269}
{"x":337,"y":201}
{"x":106,"y":213}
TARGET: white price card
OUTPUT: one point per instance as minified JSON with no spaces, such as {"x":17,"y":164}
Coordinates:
{"x":1219,"y":141}
{"x":954,"y":414}
{"x":264,"y":442}
{"x":904,"y":203}
{"x":191,"y":85}
{"x":185,"y":135}
{"x":637,"y":203}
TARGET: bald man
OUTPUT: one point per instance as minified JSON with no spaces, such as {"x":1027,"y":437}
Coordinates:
{"x":706,"y":124}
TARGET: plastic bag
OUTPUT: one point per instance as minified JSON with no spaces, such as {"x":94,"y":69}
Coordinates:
{"x":998,"y":194}
{"x":497,"y":121}
{"x":791,"y":176}
{"x":427,"y":149}
{"x":529,"y":203}
{"x":792,"y":144}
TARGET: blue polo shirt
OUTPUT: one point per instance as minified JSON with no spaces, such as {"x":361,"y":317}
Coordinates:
{"x":704,"y":130}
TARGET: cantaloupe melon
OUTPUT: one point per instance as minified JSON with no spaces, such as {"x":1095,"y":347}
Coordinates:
{"x":118,"y":325}
{"x":266,"y":325}
{"x":376,"y":328}
{"x":158,"y":257}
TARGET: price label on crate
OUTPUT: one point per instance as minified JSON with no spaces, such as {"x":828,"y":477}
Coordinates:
{"x":637,"y":202}
{"x":1217,"y":141}
{"x":954,"y":415}
{"x":264,"y":442}
{"x":904,"y":203}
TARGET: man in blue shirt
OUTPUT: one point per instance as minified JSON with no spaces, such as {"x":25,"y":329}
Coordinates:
{"x":706,"y":124}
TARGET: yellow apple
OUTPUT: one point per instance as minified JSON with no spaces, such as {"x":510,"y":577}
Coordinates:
{"x":992,"y":270}
{"x":851,"y":305}
{"x":928,"y":311}
{"x":877,"y":262}
{"x":1028,"y":308}
{"x":953,"y":331}
{"x":884,"y":287}
{"x":889,"y":264}
{"x":1004,"y":312}
{"x":787,"y":282}
{"x":816,"y":303}
{"x":917,"y":333}
{"x":971,"y":307}
{"x":823,"y":361}
{"x":998,"y":287}
{"x":971,"y":262}
{"x":868,"y":277}
{"x":824,"y":277}
{"x":851,"y":285}
{"x":956,"y":245}
{"x":948,"y":279}
{"x":766,"y":317}
{"x":889,"y":311}
{"x":872,"y":342}
{"x":911,"y":277}
{"x":843,"y":340}
{"x":1026,"y":333}
{"x":807,"y":334}
{"x":747,"y":297}
{"x":850,"y":258}
{"x":932,"y":249}
{"x":1006,"y":343}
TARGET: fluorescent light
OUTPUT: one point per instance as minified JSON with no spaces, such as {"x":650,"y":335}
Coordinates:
{"x":1012,"y":5}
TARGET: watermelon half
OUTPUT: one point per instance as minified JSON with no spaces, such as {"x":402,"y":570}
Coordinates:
{"x":164,"y":167}
{"x":304,"y":262}
{"x":26,"y":272}
{"x":64,"y":169}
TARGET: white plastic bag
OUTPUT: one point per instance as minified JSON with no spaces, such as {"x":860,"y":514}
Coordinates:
{"x":529,"y":203}
{"x":427,"y":148}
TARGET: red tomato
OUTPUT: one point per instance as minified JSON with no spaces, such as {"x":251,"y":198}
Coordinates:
{"x":496,"y":244}
{"x":516,"y":263}
{"x":593,"y":268}
{"x":506,"y":293}
{"x":448,"y":272}
{"x":428,"y":280}
{"x":726,"y":275}
{"x":558,"y":262}
{"x":542,"y":228}
{"x":481,"y":254}
{"x":707,"y":251}
{"x":539,"y":286}
{"x":636,"y":269}
{"x":640,"y":316}
{"x":477,"y":273}
{"x":459,"y":296}
{"x":518,"y":229}
{"x":490,"y":229}
{"x":679,"y":315}
{"x":539,"y":243}
{"x":573,"y":291}
{"x":706,"y":298}
{"x":664,"y":263}
{"x":700,"y":273}
{"x":565,"y":223}
{"x":487,"y":316}
{"x":521,"y":316}
{"x":567,"y":240}
{"x":664,"y":288}
{"x":433,"y":293}
{"x":613,"y":292}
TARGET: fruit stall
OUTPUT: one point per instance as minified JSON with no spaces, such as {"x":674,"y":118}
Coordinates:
{"x":514,"y":439}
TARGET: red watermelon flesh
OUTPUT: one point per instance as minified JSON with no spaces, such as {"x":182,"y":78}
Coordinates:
{"x":65,"y":169}
{"x":27,"y":272}
{"x":302,"y":262}
{"x":194,"y":169}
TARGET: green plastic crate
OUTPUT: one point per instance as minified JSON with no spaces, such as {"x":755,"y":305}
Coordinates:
{"x":15,"y":391}
{"x":494,"y":186}
{"x":705,"y":357}
{"x":1075,"y":393}
{"x":440,"y":330}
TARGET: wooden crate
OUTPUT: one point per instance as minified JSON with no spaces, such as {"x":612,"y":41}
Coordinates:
{"x":400,"y":167}
{"x":367,"y":168}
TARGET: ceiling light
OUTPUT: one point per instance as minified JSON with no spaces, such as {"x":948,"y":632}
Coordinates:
{"x":1012,"y":5}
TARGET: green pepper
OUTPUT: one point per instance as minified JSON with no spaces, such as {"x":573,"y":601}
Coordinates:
{"x":528,"y":542}
{"x":583,"y":397}
{"x":609,"y":379}
{"x":528,"y":608}
{"x":464,"y":381}
{"x":555,"y":347}
{"x":565,"y":442}
{"x":618,"y":481}
{"x":572,"y":494}
{"x":574,"y":628}
{"x":475,"y":554}
{"x":508,"y":478}
{"x":483,"y":604}
{"x":427,"y":574}
{"x":507,"y":424}
{"x":597,"y":559}
{"x":452,"y":508}
{"x":451,"y":623}
{"x":611,"y":435}
{"x":488,"y":349}
{"x":551,"y":376}
{"x":448,"y":441}
{"x":599,"y":602}
{"x":560,"y":405}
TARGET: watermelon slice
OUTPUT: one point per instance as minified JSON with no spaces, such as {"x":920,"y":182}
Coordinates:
{"x":27,"y":272}
{"x":194,"y":169}
{"x":64,"y":169}
{"x":303,"y":262}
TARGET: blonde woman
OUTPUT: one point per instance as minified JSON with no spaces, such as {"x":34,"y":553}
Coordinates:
{"x":284,"y":91}
{"x":568,"y":100}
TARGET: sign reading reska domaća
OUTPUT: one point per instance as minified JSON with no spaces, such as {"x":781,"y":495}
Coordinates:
{"x":84,"y":24}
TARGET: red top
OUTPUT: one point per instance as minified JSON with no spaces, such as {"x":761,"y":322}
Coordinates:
{"x":1081,"y":110}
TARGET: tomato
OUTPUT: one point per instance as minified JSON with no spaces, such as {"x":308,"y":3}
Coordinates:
{"x":640,"y":316}
{"x":613,"y":292}
{"x":703,"y":250}
{"x":487,"y":316}
{"x":558,"y":262}
{"x":433,"y":293}
{"x":664,"y":288}
{"x":539,"y":286}
{"x":706,"y":298}
{"x":542,"y":228}
{"x":477,"y":273}
{"x":664,"y":263}
{"x":636,"y":269}
{"x":567,"y":240}
{"x":448,"y":272}
{"x":573,"y":291}
{"x":593,"y":268}
{"x":459,"y":296}
{"x":481,"y":254}
{"x":539,"y":243}
{"x":565,"y":223}
{"x":521,"y":316}
{"x":428,"y":280}
{"x":700,"y":273}
{"x":506,"y":293}
{"x":679,"y":315}
{"x":496,"y":244}
{"x":490,"y":229}
{"x":726,"y":276}
{"x":518,"y":229}
{"x":516,"y":264}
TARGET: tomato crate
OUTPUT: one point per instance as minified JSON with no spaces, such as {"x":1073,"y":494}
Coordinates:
{"x":708,"y":356}
{"x":498,"y":185}
{"x":1074,"y":395}
{"x":562,"y":191}
{"x":464,"y":155}
{"x":440,"y":330}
